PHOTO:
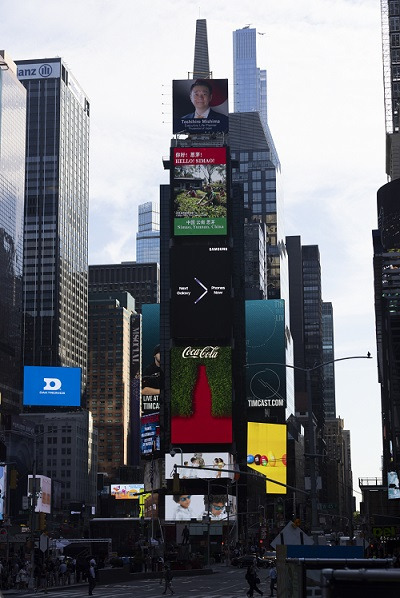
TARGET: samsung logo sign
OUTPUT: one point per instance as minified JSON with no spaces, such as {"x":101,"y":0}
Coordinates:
{"x":45,"y":70}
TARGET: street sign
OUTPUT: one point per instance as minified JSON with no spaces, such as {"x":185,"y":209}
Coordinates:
{"x":44,"y":542}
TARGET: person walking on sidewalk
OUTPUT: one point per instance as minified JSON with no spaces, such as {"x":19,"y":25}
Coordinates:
{"x":168,"y":580}
{"x":273,"y":578}
{"x":253,"y":580}
{"x":92,"y":576}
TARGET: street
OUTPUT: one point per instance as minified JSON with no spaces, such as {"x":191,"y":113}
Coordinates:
{"x":225,"y":582}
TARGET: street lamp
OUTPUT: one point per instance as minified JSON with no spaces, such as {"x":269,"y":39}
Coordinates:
{"x":311,"y":446}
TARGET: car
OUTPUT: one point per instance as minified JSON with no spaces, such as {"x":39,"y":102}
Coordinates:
{"x":248,"y":559}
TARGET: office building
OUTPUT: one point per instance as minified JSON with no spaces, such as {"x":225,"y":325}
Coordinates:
{"x":338,"y":495}
{"x":12,"y":178}
{"x":390,"y":15}
{"x":56,"y":216}
{"x":67,"y":451}
{"x":111,"y":321}
{"x":250,"y":82}
{"x":148,"y":235}
{"x":328,"y":355}
{"x":142,"y":281}
{"x":255,"y":255}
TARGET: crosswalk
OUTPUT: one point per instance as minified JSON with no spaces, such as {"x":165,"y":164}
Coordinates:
{"x":229,"y":583}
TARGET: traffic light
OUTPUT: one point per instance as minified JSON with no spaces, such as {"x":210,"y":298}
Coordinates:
{"x":13,"y":479}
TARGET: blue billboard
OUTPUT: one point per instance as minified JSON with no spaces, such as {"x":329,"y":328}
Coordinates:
{"x":52,"y":386}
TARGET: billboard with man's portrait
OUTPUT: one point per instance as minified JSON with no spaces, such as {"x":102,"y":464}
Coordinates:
{"x":200,"y":106}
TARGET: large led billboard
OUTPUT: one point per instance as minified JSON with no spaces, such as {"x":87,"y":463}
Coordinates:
{"x":126,"y":491}
{"x":200,"y":106}
{"x":266,"y":453}
{"x":150,"y":433}
{"x":265,"y":351}
{"x":52,"y":386}
{"x":187,"y":507}
{"x":43,"y":493}
{"x":152,"y":378}
{"x":201,"y":292}
{"x":200,"y":192}
{"x":200,"y":465}
{"x":201,"y":394}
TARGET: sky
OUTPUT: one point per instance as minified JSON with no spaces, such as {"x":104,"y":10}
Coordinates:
{"x":326,"y":115}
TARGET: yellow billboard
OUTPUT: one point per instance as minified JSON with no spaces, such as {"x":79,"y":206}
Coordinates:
{"x":266,"y":453}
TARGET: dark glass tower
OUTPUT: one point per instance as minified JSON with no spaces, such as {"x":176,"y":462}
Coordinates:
{"x":56,"y":216}
{"x":12,"y":173}
{"x":328,"y":352}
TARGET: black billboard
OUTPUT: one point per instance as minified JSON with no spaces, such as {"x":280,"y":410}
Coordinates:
{"x":201,"y":292}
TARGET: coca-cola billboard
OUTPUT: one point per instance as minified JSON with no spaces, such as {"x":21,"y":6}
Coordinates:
{"x":201,"y":394}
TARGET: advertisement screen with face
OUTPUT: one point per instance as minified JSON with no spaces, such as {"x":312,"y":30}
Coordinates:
{"x":200,"y":191}
{"x":266,"y":453}
{"x":198,"y":507}
{"x":200,"y":106}
{"x":200,"y":465}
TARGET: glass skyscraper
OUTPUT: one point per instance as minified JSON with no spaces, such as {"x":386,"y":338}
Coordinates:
{"x":12,"y":175}
{"x":55,"y":289}
{"x":250,"y":82}
{"x":148,"y":236}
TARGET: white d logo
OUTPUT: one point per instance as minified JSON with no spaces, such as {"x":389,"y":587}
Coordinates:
{"x":52,"y":384}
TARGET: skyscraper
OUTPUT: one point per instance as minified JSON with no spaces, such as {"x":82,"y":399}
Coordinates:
{"x":56,"y":215}
{"x":148,"y":235}
{"x":390,"y":15}
{"x":328,"y":355}
{"x":109,"y":376}
{"x":250,"y":82}
{"x":12,"y":173}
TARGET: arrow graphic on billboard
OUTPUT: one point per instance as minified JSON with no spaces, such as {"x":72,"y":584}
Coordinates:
{"x":203,"y":294}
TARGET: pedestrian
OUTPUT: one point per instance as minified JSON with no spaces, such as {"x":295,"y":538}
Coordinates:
{"x":168,"y":580}
{"x":185,"y":535}
{"x":273,"y":576}
{"x":253,"y":580}
{"x":92,"y":576}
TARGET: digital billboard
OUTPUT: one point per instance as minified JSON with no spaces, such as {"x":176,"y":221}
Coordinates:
{"x":265,"y":350}
{"x":43,"y":493}
{"x":126,"y":491}
{"x":393,"y":485}
{"x":52,"y":386}
{"x":199,"y":184}
{"x":201,"y":394}
{"x":152,"y":380}
{"x":200,"y":106}
{"x":187,"y":507}
{"x":266,"y":453}
{"x":201,"y":292}
{"x":194,"y":464}
{"x":150,"y":433}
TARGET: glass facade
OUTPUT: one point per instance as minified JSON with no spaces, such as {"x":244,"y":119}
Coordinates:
{"x":12,"y":176}
{"x":148,"y":235}
{"x":250,"y":83}
{"x":56,"y":217}
{"x":328,"y":351}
